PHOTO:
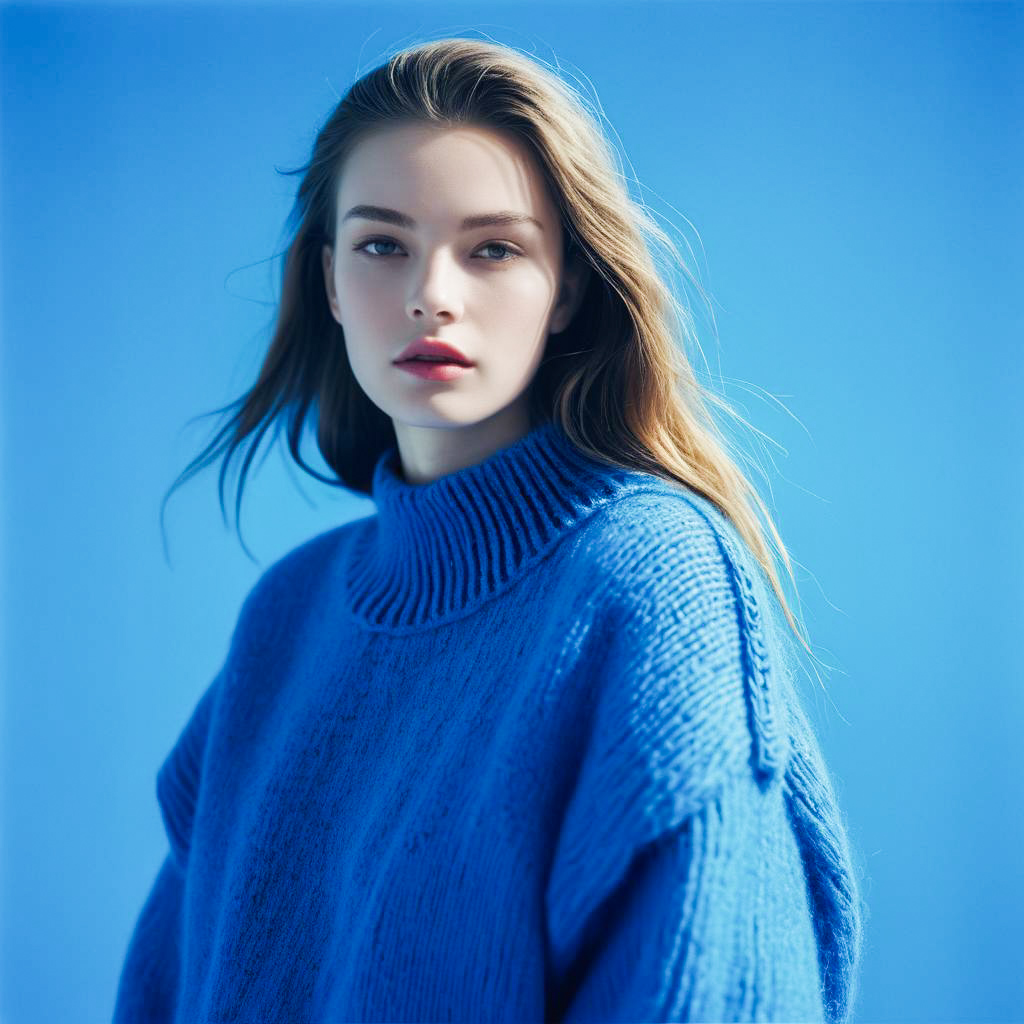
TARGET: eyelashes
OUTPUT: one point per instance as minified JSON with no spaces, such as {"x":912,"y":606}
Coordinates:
{"x":513,"y":253}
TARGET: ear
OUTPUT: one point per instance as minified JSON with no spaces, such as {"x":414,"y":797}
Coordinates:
{"x":327,"y":258}
{"x":575,"y":276}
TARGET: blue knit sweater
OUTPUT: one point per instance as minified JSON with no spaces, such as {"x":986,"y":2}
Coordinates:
{"x":522,"y":746}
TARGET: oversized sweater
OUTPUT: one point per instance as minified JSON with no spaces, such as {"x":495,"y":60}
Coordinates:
{"x":524,"y":745}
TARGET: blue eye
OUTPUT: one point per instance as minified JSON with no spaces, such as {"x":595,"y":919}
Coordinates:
{"x":512,"y":254}
{"x":501,"y":245}
{"x":374,"y":241}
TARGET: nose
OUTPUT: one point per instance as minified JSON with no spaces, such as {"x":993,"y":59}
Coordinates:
{"x":434,"y":291}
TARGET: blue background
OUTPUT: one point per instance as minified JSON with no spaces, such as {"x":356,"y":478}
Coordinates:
{"x":853,"y":191}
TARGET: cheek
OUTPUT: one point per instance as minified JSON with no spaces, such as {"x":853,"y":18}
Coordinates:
{"x":361,"y":296}
{"x":521,"y":309}
{"x":512,"y":297}
{"x":531,"y":293}
{"x":515,"y":356}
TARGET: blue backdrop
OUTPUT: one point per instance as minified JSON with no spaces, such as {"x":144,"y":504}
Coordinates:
{"x":850,"y":179}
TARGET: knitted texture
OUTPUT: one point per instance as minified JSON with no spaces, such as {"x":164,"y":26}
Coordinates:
{"x":524,"y":745}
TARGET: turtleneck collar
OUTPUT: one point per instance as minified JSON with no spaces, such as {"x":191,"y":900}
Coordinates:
{"x":435,"y":550}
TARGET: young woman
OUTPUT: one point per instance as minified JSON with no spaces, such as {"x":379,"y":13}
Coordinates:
{"x":525,"y":744}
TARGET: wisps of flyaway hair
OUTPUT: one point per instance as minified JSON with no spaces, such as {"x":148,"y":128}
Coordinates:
{"x":618,"y":378}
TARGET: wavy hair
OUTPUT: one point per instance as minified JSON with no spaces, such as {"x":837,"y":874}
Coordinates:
{"x":617,"y":378}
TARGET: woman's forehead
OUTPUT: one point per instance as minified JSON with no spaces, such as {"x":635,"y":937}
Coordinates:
{"x":471,"y":172}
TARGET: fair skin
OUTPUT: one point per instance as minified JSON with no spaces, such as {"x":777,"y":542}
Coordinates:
{"x":495,"y":292}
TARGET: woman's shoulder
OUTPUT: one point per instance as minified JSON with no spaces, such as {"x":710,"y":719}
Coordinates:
{"x":696,"y":621}
{"x":665,"y":541}
{"x":303,"y":569}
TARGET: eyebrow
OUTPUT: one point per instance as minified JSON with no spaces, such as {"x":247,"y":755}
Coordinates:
{"x":403,"y":220}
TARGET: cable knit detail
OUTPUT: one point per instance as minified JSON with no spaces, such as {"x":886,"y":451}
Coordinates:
{"x":523,"y":746}
{"x":688,"y":703}
{"x":770,"y":748}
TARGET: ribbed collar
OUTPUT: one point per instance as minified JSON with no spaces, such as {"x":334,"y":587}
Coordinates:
{"x":438,"y":549}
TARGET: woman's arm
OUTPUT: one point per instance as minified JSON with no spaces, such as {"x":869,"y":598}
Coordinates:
{"x":698,"y":874}
{"x":150,"y":976}
{"x":710,"y":923}
{"x":148,"y":986}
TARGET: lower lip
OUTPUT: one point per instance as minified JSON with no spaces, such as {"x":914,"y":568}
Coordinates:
{"x":433,"y":371}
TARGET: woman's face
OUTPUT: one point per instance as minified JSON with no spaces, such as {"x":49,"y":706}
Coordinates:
{"x":494,"y":291}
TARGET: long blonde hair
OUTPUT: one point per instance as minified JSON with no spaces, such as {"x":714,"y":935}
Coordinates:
{"x":617,"y":379}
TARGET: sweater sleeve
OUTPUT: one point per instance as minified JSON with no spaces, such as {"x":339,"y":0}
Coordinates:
{"x":147,"y":989}
{"x":148,"y":984}
{"x":710,"y":923}
{"x":678,"y":888}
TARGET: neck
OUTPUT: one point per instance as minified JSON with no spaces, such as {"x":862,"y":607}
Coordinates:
{"x":428,"y":453}
{"x":435,"y":550}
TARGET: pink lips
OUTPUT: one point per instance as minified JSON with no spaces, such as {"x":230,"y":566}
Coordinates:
{"x":433,"y":347}
{"x":433,"y":371}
